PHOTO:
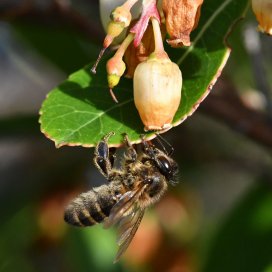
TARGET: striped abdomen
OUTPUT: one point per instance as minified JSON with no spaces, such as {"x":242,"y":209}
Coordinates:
{"x":90,"y":208}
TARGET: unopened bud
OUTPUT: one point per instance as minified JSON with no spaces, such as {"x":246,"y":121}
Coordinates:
{"x":115,"y":69}
{"x":114,"y":30}
{"x":157,"y":92}
{"x":263,"y":13}
{"x":121,"y":15}
{"x":120,"y":19}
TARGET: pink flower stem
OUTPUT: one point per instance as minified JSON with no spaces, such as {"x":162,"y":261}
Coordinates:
{"x":159,"y":49}
{"x":123,"y":47}
{"x":129,"y":4}
{"x":149,"y":11}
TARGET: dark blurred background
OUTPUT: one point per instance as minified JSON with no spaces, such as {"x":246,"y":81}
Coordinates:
{"x":219,"y":218}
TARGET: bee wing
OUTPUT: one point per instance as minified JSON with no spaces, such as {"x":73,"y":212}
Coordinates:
{"x":124,"y":207}
{"x":127,"y":232}
{"x":127,"y":215}
{"x":126,"y":224}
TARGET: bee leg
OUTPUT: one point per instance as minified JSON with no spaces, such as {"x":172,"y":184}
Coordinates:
{"x":102,"y":159}
{"x":161,"y":140}
{"x":148,"y":148}
{"x":130,"y":154}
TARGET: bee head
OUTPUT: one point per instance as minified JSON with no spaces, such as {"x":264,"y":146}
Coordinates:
{"x":162,"y":161}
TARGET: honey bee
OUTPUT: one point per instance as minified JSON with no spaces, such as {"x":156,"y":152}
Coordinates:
{"x":140,"y":180}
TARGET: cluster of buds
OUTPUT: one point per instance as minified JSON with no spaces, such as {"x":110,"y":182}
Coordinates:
{"x":263,"y":13}
{"x":157,"y":81}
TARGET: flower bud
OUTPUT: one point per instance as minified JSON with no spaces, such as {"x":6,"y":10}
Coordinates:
{"x":120,"y":19}
{"x":157,"y":92}
{"x":115,"y":69}
{"x":114,"y":30}
{"x":263,"y":13}
{"x":121,"y":15}
{"x":106,"y":7}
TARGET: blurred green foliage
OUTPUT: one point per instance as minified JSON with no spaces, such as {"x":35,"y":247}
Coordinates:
{"x":244,"y":241}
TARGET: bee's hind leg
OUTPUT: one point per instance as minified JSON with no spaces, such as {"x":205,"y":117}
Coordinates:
{"x":102,"y":159}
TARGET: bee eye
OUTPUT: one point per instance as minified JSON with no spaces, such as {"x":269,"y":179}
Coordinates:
{"x":164,"y":166}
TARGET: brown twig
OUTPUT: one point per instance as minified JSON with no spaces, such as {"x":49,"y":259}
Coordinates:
{"x":55,"y":11}
{"x":225,"y":104}
{"x":253,"y":45}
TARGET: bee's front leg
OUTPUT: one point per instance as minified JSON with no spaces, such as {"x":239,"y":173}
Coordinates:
{"x":102,"y":156}
{"x":148,"y":148}
{"x":130,"y":153}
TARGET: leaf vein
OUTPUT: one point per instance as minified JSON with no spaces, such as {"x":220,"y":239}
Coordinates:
{"x":98,"y":116}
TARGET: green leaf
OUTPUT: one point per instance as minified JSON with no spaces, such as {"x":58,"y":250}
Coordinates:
{"x":244,"y":241}
{"x":80,"y":111}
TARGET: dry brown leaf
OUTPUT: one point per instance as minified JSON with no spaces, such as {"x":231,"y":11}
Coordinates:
{"x":181,"y":18}
{"x":133,"y":56}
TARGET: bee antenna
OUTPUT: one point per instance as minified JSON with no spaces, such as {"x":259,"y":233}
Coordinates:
{"x":160,"y":139}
